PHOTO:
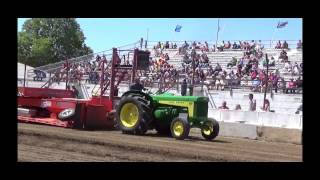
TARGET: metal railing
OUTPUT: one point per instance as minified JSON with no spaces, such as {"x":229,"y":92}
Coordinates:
{"x":89,"y":57}
{"x":292,"y":44}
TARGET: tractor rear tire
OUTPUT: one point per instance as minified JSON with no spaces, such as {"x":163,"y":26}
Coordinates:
{"x":210,"y":129}
{"x":134,"y":114}
{"x":180,"y":128}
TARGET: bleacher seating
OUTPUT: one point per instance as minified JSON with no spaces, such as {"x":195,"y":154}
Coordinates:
{"x":281,"y":102}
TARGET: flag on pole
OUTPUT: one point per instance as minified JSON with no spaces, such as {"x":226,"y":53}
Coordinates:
{"x":178,"y":28}
{"x":282,"y":24}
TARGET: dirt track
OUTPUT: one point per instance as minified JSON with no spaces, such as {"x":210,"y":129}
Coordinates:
{"x":46,"y":143}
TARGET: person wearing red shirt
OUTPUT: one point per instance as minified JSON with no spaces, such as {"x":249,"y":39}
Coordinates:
{"x":291,"y":86}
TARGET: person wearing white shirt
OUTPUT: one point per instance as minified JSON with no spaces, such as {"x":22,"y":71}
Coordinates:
{"x":252,"y":103}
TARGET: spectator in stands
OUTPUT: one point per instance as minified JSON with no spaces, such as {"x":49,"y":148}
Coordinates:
{"x":171,"y":46}
{"x":167,"y":45}
{"x":214,"y":48}
{"x":238,"y":107}
{"x":299,"y":45}
{"x":241,"y":44}
{"x":194,"y":44}
{"x":283,"y":56}
{"x":220,"y":48}
{"x":166,"y":57}
{"x":162,"y":46}
{"x":285,"y":45}
{"x":299,"y":82}
{"x":283,"y":85}
{"x":184,"y":86}
{"x":296,"y":69}
{"x":252,"y":45}
{"x":225,"y":45}
{"x":141,"y":42}
{"x":275,"y":80}
{"x":233,"y":62}
{"x":228,"y":45}
{"x":256,"y":84}
{"x":252,"y":103}
{"x":224,"y":105}
{"x":221,"y":82}
{"x":234,"y":46}
{"x":278,"y":46}
{"x":259,"y":46}
{"x":291,"y":86}
{"x":254,"y":74}
{"x":185,"y":45}
{"x":217,"y":68}
{"x":75,"y":92}
{"x":98,"y":58}
{"x":232,"y":78}
{"x":175,"y":46}
{"x":206,"y":46}
{"x":287,"y":66}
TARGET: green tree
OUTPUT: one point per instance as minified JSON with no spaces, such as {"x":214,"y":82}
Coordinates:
{"x":48,"y":40}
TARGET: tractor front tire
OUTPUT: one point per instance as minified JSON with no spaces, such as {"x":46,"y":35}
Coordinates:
{"x":133,"y":115}
{"x":210,"y":129}
{"x":180,"y":128}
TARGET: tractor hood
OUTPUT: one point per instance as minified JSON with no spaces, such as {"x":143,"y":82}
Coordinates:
{"x":169,"y":97}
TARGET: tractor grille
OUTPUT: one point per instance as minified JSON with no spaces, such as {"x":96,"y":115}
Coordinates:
{"x":201,"y":109}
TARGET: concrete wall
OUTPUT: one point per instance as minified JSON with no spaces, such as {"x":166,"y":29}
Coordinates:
{"x":273,"y":134}
{"x":281,"y":103}
{"x":269,"y":119}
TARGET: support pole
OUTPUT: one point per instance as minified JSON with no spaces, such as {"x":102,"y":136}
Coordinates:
{"x":134,"y":65}
{"x":113,"y":72}
{"x":67,"y":78}
{"x":266,"y":82}
{"x":24,"y":75}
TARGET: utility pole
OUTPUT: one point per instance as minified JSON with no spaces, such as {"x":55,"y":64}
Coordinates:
{"x":217,"y":32}
{"x":266,"y":82}
{"x":67,"y":78}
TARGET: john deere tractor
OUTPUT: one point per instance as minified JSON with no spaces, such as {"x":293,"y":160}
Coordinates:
{"x":138,"y":112}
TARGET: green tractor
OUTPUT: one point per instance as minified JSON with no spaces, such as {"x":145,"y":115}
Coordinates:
{"x":138,"y":112}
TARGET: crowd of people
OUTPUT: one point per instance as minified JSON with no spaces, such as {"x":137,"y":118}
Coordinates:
{"x":241,"y":45}
{"x":249,"y":68}
{"x":251,"y":105}
{"x":240,"y":71}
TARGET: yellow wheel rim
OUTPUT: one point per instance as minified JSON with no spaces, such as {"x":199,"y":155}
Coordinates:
{"x":208,"y":128}
{"x":178,"y":128}
{"x":129,"y":115}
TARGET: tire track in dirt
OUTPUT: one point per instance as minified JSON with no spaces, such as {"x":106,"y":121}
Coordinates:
{"x":154,"y":148}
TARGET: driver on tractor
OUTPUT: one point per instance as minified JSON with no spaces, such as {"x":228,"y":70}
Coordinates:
{"x":137,"y":86}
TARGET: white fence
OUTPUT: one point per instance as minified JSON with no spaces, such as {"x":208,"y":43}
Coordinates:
{"x":291,"y":121}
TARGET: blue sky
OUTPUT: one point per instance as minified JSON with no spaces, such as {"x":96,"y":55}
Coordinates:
{"x":105,"y":33}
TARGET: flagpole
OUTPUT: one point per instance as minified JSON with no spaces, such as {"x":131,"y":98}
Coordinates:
{"x":217,"y":32}
{"x":146,"y":45}
{"x":273,"y":37}
{"x":147,"y":33}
